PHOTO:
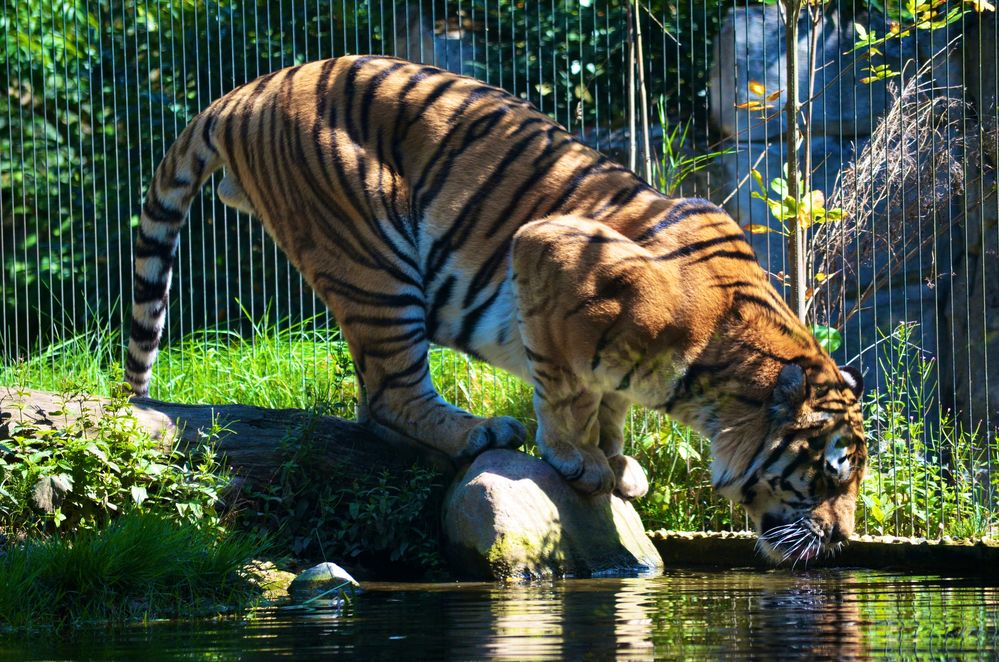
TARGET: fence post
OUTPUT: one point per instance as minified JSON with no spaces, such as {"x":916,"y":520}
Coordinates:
{"x":796,"y":234}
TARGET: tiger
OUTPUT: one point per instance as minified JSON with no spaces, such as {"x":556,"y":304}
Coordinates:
{"x":427,"y":207}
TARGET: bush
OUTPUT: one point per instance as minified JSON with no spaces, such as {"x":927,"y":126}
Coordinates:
{"x":84,"y":474}
{"x":384,"y":521}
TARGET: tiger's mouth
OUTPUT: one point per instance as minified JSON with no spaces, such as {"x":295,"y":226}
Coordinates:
{"x":797,"y":542}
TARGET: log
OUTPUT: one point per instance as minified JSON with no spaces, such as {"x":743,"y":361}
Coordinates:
{"x":253,"y":442}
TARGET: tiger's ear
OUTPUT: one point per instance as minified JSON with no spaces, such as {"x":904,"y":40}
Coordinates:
{"x":790,"y":390}
{"x":853,"y":379}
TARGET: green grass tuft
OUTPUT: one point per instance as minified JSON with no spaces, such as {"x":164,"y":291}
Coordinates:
{"x":140,"y":567}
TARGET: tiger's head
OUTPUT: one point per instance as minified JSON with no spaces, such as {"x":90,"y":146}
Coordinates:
{"x":799,"y":483}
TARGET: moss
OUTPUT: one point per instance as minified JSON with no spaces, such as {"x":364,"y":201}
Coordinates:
{"x":521,"y":557}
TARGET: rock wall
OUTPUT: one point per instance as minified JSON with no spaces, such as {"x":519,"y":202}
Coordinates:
{"x":946,"y":283}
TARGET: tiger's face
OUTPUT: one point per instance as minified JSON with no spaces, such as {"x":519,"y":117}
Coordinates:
{"x":800,"y":488}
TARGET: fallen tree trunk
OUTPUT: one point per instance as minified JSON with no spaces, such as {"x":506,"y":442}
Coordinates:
{"x":253,"y":441}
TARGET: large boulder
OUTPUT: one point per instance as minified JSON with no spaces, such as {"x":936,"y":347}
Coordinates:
{"x":512,"y":516}
{"x":750,"y":47}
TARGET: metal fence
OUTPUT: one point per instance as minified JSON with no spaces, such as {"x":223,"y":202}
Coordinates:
{"x":899,"y":101}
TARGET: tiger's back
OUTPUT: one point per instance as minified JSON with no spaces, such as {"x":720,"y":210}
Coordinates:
{"x":424,"y":207}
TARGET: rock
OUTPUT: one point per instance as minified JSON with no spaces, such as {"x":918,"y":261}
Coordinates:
{"x":51,"y":491}
{"x":750,"y":47}
{"x":512,"y":516}
{"x":273,"y":581}
{"x":320,"y":578}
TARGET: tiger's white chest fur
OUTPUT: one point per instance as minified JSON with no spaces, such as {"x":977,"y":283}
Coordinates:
{"x":480,"y":320}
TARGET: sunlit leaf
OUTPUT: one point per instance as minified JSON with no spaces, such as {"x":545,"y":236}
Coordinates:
{"x":753,"y":105}
{"x":757,"y":88}
{"x":829,"y":338}
{"x":779,"y":186}
{"x":756,"y":228}
{"x":981,"y":5}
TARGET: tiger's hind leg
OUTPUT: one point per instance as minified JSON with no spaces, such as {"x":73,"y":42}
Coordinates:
{"x":630,"y":479}
{"x":397,"y":395}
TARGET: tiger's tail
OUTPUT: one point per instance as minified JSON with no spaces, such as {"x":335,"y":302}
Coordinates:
{"x":179,"y":176}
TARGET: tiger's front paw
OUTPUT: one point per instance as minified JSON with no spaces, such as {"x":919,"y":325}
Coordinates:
{"x":587,"y":471}
{"x":499,"y":432}
{"x":630,"y":477}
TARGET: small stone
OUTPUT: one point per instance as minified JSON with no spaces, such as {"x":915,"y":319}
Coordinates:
{"x":268,"y":577}
{"x":323,"y":577}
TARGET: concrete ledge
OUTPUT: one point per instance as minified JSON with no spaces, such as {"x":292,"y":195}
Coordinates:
{"x":738,"y":549}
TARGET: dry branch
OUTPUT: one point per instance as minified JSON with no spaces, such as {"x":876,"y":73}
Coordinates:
{"x":896,"y":193}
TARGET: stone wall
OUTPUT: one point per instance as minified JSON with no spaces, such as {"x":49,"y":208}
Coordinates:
{"x":944,"y":274}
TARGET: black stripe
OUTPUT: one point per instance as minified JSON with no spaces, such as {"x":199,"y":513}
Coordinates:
{"x":678,"y":213}
{"x":800,"y":459}
{"x":133,"y":365}
{"x":441,"y":298}
{"x":369,"y":95}
{"x":779,"y":451}
{"x":156,"y":211}
{"x":206,"y":134}
{"x":142,"y":333}
{"x":472,"y":319}
{"x":726,"y":255}
{"x":689,"y":249}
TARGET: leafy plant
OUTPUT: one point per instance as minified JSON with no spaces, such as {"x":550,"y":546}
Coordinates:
{"x":678,"y":464}
{"x":795,"y":212}
{"x":96,"y":464}
{"x":381,"y":519}
{"x":920,"y":478}
{"x":676,"y":164}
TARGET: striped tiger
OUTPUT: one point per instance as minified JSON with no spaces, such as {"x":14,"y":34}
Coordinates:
{"x":423,"y":206}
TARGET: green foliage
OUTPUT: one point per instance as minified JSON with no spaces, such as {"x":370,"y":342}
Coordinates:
{"x":804,"y":209}
{"x":387,"y":520}
{"x":676,"y":164}
{"x":829,"y":338}
{"x":96,"y":465}
{"x":678,"y":464}
{"x":142,"y":566}
{"x":920,"y":479}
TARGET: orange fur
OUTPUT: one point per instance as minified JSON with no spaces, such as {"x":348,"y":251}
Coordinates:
{"x":424,"y":207}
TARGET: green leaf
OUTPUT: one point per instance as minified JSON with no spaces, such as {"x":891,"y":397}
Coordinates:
{"x":779,"y":186}
{"x":829,"y":338}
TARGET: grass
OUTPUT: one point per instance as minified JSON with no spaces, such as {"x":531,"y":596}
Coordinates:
{"x":922,"y":480}
{"x":140,"y":567}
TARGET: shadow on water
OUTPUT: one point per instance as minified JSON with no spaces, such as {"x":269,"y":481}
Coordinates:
{"x":734,"y":614}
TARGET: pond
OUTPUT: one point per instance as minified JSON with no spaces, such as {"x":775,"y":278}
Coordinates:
{"x":689,"y":614}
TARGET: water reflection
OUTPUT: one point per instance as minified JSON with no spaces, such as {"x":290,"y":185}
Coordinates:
{"x":725,"y":615}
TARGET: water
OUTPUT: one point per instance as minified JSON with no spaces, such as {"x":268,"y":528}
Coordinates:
{"x":685,"y":614}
